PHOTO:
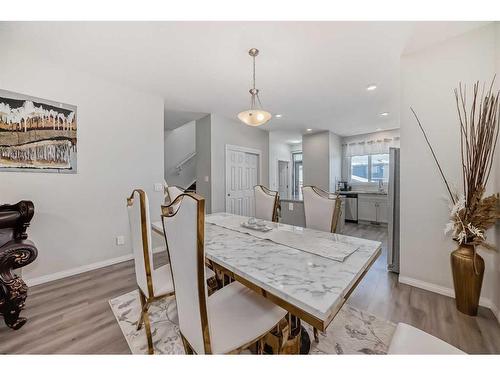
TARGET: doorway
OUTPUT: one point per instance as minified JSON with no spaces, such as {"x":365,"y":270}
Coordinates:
{"x":298,"y":175}
{"x":283,"y":179}
{"x":243,"y":166}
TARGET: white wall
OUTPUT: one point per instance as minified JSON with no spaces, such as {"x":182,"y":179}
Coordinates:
{"x":120,"y":147}
{"x":322,"y":155}
{"x":335,"y":160}
{"x":316,"y":159}
{"x":278,"y":151}
{"x":428,"y":78}
{"x":179,"y":144}
{"x":213,"y":133}
{"x":204,"y":160}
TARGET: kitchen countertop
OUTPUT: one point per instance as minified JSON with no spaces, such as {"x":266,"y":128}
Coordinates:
{"x":363,"y":192}
{"x":298,"y":199}
{"x":292,"y":199}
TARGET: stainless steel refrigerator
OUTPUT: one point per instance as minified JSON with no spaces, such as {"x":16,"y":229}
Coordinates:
{"x":393,"y":211}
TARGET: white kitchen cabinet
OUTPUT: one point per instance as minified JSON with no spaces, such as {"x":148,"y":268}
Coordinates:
{"x":372,"y":207}
{"x":366,"y":209}
{"x":382,"y":213}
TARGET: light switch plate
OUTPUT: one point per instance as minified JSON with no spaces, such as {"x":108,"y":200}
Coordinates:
{"x":158,"y":186}
{"x":120,"y":240}
{"x":206,"y":178}
{"x":290,"y":206}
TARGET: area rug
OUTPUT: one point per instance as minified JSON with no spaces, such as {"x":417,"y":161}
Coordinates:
{"x":352,"y":331}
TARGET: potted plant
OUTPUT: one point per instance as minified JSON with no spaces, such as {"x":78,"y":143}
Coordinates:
{"x":472,"y":213}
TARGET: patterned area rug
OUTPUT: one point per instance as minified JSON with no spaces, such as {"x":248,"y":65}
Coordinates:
{"x":352,"y":331}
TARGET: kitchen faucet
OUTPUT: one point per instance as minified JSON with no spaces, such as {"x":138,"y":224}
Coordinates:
{"x":380,"y":185}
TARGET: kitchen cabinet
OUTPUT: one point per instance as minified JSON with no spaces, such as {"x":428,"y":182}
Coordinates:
{"x":366,"y":209}
{"x":382,"y":212}
{"x":372,"y":207}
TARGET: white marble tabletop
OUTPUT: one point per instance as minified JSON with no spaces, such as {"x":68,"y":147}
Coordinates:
{"x":312,"y":284}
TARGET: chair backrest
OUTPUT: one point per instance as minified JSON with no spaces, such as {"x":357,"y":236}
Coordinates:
{"x":322,"y":209}
{"x":173,"y":192}
{"x":184,"y":229}
{"x":266,"y":203}
{"x":140,"y":233}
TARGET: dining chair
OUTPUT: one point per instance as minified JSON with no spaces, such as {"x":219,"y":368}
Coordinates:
{"x":410,"y":340}
{"x":267,"y":203}
{"x":173,"y":192}
{"x":322,"y":209}
{"x":153,"y":284}
{"x":231,"y":319}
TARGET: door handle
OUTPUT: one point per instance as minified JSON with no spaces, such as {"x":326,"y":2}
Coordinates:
{"x":229,"y":195}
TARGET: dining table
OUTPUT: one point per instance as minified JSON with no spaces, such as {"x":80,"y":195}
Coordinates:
{"x":307,"y":272}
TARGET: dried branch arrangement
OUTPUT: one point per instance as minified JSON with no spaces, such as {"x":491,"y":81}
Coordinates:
{"x":472,"y":213}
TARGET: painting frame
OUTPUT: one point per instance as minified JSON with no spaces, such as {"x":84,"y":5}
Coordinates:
{"x":37,"y":135}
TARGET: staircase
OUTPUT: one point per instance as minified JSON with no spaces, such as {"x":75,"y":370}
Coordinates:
{"x":184,"y":173}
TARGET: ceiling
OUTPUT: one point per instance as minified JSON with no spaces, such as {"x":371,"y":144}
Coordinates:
{"x":313,"y":73}
{"x":174,"y":119}
{"x":290,"y":137}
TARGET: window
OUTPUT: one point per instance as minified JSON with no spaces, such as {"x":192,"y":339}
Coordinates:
{"x":359,"y":168}
{"x":297,"y":174}
{"x":370,"y":168}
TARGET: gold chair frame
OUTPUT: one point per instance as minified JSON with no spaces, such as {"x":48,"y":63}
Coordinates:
{"x":168,"y":194}
{"x":170,"y":211}
{"x":145,"y":300}
{"x":277,"y":202}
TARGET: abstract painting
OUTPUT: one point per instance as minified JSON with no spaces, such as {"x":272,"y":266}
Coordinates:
{"x":36,"y":135}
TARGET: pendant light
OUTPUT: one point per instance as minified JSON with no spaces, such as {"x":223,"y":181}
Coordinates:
{"x":255,"y":116}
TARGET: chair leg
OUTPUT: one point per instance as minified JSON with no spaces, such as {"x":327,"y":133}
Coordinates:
{"x":145,"y":318}
{"x":143,"y":305}
{"x":147,"y":326}
{"x":316,"y":335}
{"x":260,"y":346}
{"x":187,"y":347}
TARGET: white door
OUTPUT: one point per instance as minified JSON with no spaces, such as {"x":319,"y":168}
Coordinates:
{"x":283,"y":182}
{"x":242,"y":171}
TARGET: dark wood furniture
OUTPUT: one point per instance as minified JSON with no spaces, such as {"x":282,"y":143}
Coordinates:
{"x":16,"y":251}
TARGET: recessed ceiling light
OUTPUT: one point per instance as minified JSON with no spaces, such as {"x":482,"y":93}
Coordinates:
{"x":379,"y":129}
{"x":309,"y":130}
{"x":385,"y":114}
{"x":295,"y":141}
{"x":371,"y":87}
{"x":278,"y":116}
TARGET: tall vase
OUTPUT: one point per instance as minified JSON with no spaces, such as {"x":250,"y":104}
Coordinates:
{"x":468,"y":270}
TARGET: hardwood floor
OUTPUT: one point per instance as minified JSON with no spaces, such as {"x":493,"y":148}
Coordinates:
{"x":73,"y":315}
{"x":381,"y":294}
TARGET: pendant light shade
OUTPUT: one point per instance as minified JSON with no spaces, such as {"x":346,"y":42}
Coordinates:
{"x":256,"y":115}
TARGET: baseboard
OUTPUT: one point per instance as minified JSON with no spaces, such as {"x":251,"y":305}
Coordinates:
{"x":89,"y":267}
{"x":486,"y":302}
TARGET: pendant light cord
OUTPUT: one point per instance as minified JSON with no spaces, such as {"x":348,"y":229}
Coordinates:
{"x":256,"y":95}
{"x":253,"y":72}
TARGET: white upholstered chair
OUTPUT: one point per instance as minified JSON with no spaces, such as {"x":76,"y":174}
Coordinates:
{"x":266,"y":203}
{"x":229,"y":320}
{"x":153,"y":283}
{"x":173,"y":192}
{"x":411,"y":340}
{"x":322,"y":209}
